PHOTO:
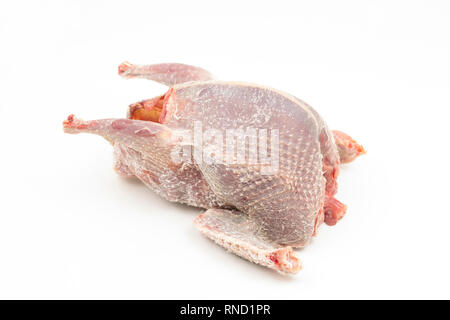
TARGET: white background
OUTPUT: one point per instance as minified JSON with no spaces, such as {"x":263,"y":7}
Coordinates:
{"x":71,"y":228}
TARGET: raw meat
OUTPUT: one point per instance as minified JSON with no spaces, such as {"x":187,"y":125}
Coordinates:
{"x":258,"y":210}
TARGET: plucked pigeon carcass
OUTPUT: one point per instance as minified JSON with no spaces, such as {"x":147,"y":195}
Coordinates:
{"x":261,"y":162}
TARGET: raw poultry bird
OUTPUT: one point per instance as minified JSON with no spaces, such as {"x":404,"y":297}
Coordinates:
{"x":256,"y":209}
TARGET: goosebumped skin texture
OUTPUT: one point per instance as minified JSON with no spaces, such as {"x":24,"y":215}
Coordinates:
{"x":255,"y":215}
{"x":284,"y":204}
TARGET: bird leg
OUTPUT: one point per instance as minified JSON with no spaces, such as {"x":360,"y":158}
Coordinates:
{"x":165,"y":73}
{"x":239,"y":234}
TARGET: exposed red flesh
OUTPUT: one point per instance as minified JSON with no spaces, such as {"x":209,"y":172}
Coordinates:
{"x":334,"y":210}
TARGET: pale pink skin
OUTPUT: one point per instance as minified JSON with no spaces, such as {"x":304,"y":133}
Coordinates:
{"x":258,"y":217}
